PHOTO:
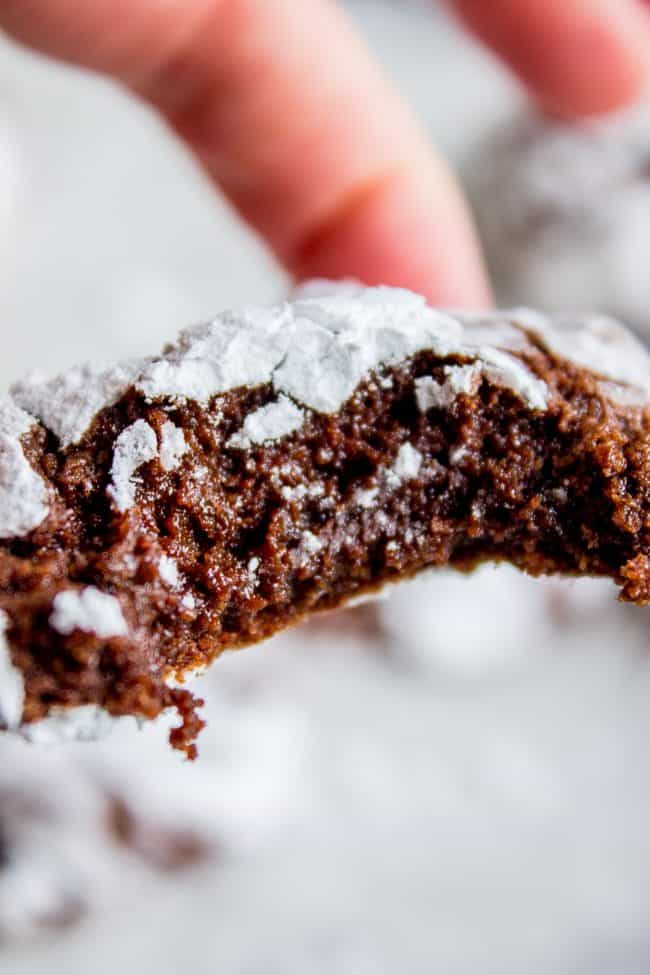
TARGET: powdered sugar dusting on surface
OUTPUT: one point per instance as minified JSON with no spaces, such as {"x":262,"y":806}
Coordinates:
{"x":168,"y":570}
{"x":14,"y":421}
{"x":236,"y":349}
{"x":23,"y":493}
{"x":135,"y":446}
{"x":311,"y":543}
{"x":406,"y":465}
{"x":366,"y":497}
{"x":595,"y":342}
{"x":90,"y":610}
{"x":67,"y":403}
{"x":173,"y":446}
{"x":601,"y":345}
{"x":430,"y":393}
{"x":270,"y":422}
{"x":508,"y":372}
{"x":12,"y":687}
{"x":340,"y":339}
{"x":318,"y":348}
{"x":309,"y":547}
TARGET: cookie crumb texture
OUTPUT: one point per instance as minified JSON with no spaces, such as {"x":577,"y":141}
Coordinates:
{"x":179,"y":525}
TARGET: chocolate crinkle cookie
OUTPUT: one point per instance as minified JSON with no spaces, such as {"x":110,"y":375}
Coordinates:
{"x":74,"y":837}
{"x":281,"y":461}
{"x":563,"y":211}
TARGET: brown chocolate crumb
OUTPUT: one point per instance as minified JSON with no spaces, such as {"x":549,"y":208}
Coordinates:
{"x":225,"y":546}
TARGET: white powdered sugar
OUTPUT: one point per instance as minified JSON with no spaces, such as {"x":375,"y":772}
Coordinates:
{"x":430,"y":394}
{"x":406,"y":465}
{"x":310,"y":543}
{"x":508,"y":372}
{"x":596,"y":342}
{"x":23,"y":493}
{"x":168,"y":571}
{"x":309,"y":547}
{"x":135,"y":446}
{"x":173,"y":446}
{"x":12,"y":688}
{"x":67,"y":404}
{"x":315,"y":351}
{"x":270,"y":422}
{"x":89,"y":610}
{"x":600,"y":344}
{"x":458,"y":454}
{"x":236,"y":349}
{"x":338,"y":340}
{"x":14,"y":421}
{"x":366,"y":497}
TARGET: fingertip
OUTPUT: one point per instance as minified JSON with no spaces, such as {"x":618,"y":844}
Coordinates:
{"x":577,"y":57}
{"x":410,"y":230}
{"x":608,"y":69}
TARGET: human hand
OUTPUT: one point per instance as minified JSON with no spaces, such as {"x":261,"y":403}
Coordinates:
{"x":294,"y":121}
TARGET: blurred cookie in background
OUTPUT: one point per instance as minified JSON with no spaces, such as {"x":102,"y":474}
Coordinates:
{"x":564,"y":213}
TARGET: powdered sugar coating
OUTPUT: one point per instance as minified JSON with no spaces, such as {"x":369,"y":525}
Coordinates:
{"x":135,"y":446}
{"x":66,"y":404}
{"x":407,"y":464}
{"x":366,"y":497}
{"x":596,"y":342}
{"x":339,"y":340}
{"x":315,"y":351}
{"x":12,"y":687}
{"x":90,"y":610}
{"x":311,"y":543}
{"x":14,"y":421}
{"x":600,"y":344}
{"x":23,"y":494}
{"x":236,"y":349}
{"x":173,"y":446}
{"x":270,"y":422}
{"x":168,"y":570}
{"x":430,"y":394}
{"x":506,"y":371}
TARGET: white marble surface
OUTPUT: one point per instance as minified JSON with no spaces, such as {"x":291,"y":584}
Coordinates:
{"x":465,"y":787}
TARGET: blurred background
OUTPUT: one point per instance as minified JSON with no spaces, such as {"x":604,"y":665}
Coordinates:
{"x":454,"y":779}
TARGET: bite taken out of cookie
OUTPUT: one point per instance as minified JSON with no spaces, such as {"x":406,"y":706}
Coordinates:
{"x":281,"y":461}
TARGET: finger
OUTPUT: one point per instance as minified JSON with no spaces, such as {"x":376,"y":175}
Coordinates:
{"x":580,"y":57}
{"x":293,"y":119}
